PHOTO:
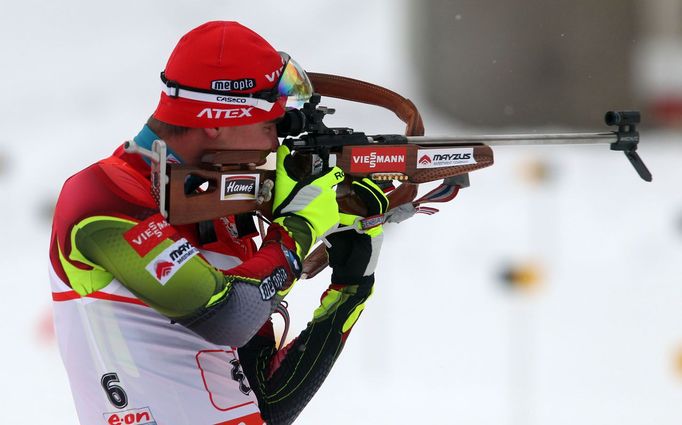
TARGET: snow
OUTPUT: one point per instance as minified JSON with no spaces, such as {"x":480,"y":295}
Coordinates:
{"x":442,"y":340}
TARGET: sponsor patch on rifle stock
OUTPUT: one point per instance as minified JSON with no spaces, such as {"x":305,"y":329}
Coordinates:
{"x":239,"y":187}
{"x":435,"y":158}
{"x":378,"y":159}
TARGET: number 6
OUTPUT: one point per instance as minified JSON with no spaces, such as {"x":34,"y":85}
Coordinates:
{"x":115,"y":393}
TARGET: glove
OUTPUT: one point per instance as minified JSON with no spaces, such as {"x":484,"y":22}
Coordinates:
{"x":305,"y":207}
{"x":354,"y":253}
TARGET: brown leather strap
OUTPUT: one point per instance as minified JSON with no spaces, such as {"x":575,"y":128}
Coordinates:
{"x":364,"y":92}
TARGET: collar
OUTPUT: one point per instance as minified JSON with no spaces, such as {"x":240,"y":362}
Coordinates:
{"x":146,"y":137}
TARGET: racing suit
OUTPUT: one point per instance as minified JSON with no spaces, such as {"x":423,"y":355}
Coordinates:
{"x":170,"y":325}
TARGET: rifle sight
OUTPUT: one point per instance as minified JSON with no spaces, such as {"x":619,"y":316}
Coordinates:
{"x":308,"y":119}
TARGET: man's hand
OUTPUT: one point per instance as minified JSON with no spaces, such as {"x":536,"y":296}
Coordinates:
{"x":306,"y":208}
{"x":354,"y":253}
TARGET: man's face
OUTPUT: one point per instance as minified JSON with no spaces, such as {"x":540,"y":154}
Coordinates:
{"x":261,"y":137}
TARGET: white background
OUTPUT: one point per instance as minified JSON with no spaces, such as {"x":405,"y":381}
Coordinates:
{"x":443,"y":340}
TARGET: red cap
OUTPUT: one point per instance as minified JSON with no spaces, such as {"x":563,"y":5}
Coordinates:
{"x":225,"y":56}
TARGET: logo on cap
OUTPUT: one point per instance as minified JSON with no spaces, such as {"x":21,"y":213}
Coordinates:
{"x":230,"y":85}
{"x":213,"y":113}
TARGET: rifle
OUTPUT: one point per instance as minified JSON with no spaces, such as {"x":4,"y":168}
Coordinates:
{"x":231,"y":182}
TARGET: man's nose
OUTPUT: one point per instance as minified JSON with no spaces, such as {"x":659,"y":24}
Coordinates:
{"x":274,"y":144}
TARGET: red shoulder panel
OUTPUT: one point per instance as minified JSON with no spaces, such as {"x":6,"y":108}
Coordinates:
{"x":110,"y":187}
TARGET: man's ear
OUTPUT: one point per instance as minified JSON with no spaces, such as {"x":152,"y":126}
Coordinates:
{"x":212,"y":132}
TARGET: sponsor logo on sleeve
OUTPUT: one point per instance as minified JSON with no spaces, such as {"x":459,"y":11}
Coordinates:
{"x":148,"y":234}
{"x":435,"y":158}
{"x":170,"y":260}
{"x":239,"y":187}
{"x":292,"y":259}
{"x":141,"y":416}
{"x":377,"y":159}
{"x":273,"y":283}
{"x":163,"y":269}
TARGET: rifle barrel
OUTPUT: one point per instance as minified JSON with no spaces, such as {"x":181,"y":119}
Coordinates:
{"x":520,"y":139}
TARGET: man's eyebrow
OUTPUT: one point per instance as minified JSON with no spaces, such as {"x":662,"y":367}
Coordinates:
{"x":275,"y":121}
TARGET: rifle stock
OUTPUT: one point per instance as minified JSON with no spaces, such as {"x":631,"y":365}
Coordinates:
{"x":229,"y":187}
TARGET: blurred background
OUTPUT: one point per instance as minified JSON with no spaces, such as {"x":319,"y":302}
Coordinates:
{"x":547,"y":293}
